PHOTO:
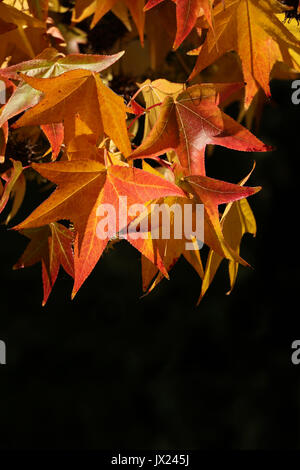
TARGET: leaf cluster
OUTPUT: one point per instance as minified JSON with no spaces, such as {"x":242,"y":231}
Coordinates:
{"x":93,"y":157}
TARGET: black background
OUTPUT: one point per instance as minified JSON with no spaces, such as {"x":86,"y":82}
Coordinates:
{"x":112,"y":370}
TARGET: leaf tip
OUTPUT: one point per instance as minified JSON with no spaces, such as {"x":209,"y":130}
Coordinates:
{"x":199,"y":300}
{"x":269,"y":148}
{"x":17,"y":266}
{"x":257,"y":189}
{"x":74,"y":292}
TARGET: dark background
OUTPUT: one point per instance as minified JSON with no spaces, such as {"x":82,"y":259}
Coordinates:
{"x":113,"y":370}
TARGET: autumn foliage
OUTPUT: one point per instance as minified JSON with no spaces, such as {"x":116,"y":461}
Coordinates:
{"x":94,"y":143}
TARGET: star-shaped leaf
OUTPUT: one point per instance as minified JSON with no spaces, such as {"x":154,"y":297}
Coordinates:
{"x":252,"y":29}
{"x":83,"y":186}
{"x":50,"y":63}
{"x":52,"y":246}
{"x":79,"y":93}
{"x":237,"y":220}
{"x":192,"y":120}
{"x":163,"y":250}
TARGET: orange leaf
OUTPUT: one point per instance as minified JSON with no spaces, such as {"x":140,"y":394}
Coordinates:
{"x":99,"y":8}
{"x":19,"y":40}
{"x":191,"y":121}
{"x":49,"y":63}
{"x":52,"y":246}
{"x":250,"y":28}
{"x":82,"y":187}
{"x":79,"y":92}
{"x":163,"y":252}
{"x":55,"y":135}
{"x":11,"y":177}
{"x":237,"y":220}
{"x":187,"y":12}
